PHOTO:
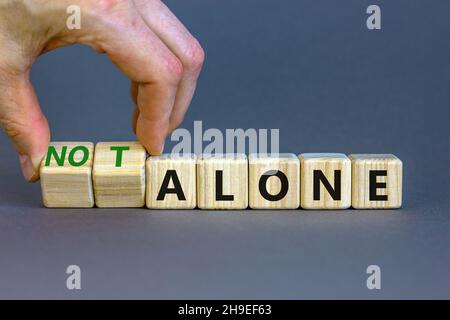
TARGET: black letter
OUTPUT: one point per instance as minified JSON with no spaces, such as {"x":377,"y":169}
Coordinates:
{"x":177,"y":189}
{"x":320,"y":177}
{"x":219,"y":188}
{"x":263,"y":185}
{"x":374,"y":185}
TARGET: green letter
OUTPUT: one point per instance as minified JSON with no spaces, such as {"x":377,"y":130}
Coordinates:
{"x":52,"y":152}
{"x":72,"y":156}
{"x":120,"y":151}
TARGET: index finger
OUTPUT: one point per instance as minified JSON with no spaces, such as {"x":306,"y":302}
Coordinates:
{"x":146,"y":60}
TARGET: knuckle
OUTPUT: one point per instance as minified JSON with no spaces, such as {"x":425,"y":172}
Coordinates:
{"x":194,"y":56}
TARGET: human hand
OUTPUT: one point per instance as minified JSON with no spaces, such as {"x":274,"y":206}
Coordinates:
{"x":142,"y":37}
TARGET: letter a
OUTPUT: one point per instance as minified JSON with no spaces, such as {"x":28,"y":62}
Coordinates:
{"x":74,"y":280}
{"x":74,"y":19}
{"x":374,"y":280}
{"x":374,"y":20}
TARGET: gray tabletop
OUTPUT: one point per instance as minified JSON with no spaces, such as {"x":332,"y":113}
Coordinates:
{"x":310,"y":68}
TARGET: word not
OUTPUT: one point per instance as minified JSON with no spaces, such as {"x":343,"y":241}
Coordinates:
{"x":119,"y":174}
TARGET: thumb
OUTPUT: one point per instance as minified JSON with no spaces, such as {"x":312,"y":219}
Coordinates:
{"x":22,"y":119}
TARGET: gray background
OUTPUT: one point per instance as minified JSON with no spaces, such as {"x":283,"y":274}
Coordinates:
{"x":310,"y":68}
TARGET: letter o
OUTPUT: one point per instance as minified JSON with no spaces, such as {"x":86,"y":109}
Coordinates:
{"x":263,"y":185}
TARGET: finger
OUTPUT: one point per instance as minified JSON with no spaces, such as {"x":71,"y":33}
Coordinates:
{"x":22,"y":119}
{"x":134,"y":118}
{"x":146,"y":60}
{"x":134,"y":91}
{"x":187,"y":49}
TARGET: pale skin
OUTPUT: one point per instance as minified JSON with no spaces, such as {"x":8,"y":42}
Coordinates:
{"x":143,"y":38}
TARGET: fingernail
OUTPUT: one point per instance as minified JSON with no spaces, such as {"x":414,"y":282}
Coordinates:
{"x":29,"y":171}
{"x":162,"y":148}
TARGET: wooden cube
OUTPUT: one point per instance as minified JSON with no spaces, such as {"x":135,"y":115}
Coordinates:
{"x":119,"y":174}
{"x":376,"y":181}
{"x":171,"y":181}
{"x":325,"y":181}
{"x":274,"y":181}
{"x":222,"y":181}
{"x":66,"y":175}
